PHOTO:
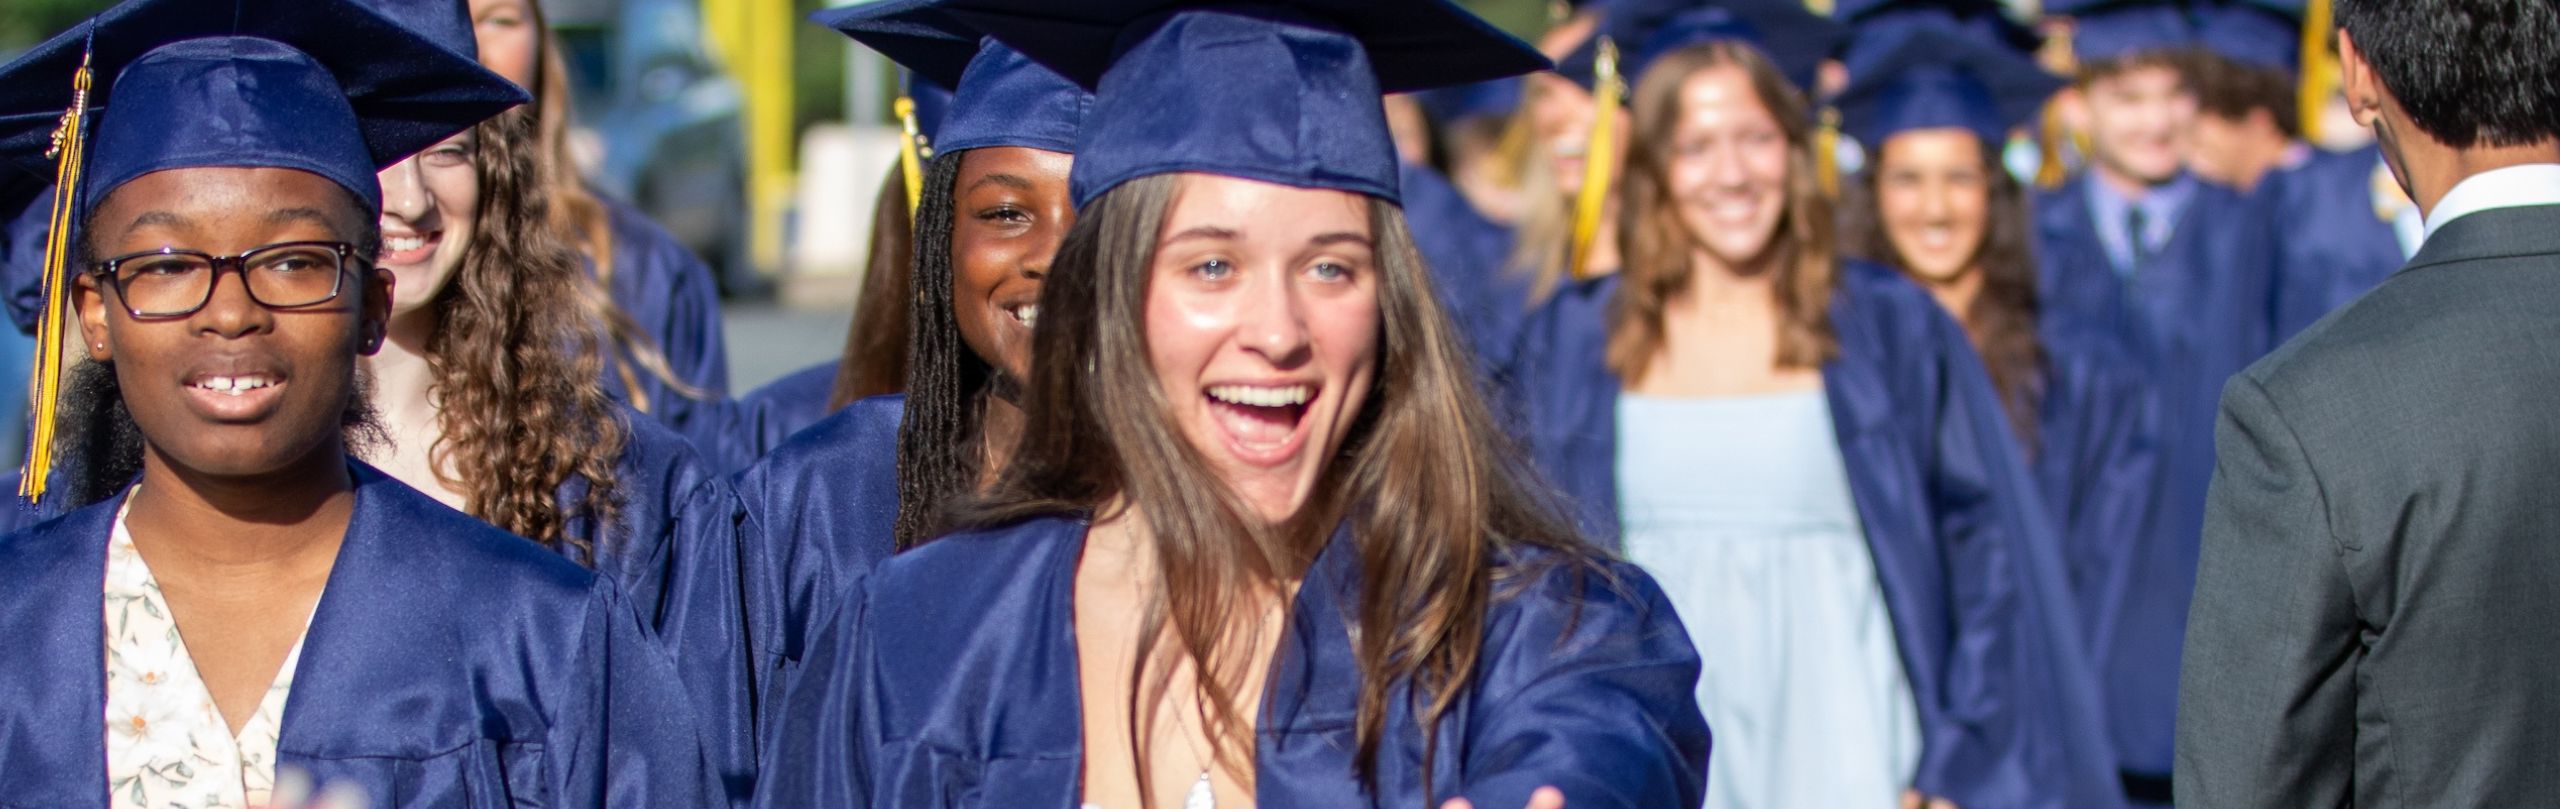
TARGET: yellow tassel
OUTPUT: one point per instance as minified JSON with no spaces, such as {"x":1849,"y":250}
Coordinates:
{"x":2320,"y":71}
{"x":912,"y":153}
{"x":70,"y":144}
{"x":2057,"y":57}
{"x":1826,"y":152}
{"x":1598,"y":159}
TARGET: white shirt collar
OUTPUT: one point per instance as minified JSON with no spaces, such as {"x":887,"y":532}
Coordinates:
{"x":2510,"y":187}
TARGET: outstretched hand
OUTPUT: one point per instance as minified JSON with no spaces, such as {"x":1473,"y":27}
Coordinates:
{"x":1544,"y":798}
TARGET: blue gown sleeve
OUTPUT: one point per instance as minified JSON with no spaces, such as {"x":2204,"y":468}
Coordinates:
{"x":626,"y":736}
{"x":1592,"y":691}
{"x":2096,"y":466}
{"x":819,"y":751}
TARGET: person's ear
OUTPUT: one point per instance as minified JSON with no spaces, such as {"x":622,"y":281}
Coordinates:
{"x":89,"y":304}
{"x":2362,"y":86}
{"x":376,"y":314}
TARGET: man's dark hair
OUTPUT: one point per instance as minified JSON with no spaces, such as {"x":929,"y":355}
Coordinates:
{"x":2470,"y":72}
{"x":2229,"y":89}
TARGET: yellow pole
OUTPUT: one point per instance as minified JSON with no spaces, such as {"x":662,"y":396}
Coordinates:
{"x":753,"y":37}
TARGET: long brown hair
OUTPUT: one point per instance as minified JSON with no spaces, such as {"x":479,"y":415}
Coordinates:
{"x":517,"y":371}
{"x":2002,"y":319}
{"x":1430,"y":490}
{"x":581,"y":220}
{"x":875,"y":348}
{"x":1659,"y":246}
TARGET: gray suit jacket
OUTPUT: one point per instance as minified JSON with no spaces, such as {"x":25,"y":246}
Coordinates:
{"x":2377,"y":613}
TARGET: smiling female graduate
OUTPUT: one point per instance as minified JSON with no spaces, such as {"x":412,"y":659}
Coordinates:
{"x":1933,"y":108}
{"x":1261,"y":543}
{"x":237,"y":595}
{"x":1809,"y":456}
{"x":875,"y":477}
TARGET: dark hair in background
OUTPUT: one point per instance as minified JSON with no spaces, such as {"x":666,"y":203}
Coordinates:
{"x":1658,"y":243}
{"x":2002,"y":319}
{"x":100,"y":445}
{"x":1428,"y":488}
{"x":875,"y":349}
{"x":2181,"y":60}
{"x":2229,"y":89}
{"x":939,"y":453}
{"x":518,"y":360}
{"x":2470,"y":72}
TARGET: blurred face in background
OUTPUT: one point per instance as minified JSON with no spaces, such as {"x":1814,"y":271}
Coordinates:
{"x":2141,"y":121}
{"x":1560,"y":115}
{"x":1727,"y":166}
{"x":510,"y":42}
{"x":1933,"y":195}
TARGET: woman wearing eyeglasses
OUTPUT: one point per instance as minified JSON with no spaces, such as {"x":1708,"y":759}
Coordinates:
{"x":237,"y":598}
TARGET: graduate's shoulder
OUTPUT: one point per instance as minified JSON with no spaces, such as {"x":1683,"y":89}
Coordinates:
{"x":434,"y":540}
{"x":859,"y":436}
{"x":970,"y":564}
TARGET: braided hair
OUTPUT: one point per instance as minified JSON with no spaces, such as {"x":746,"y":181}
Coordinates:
{"x":940,"y":452}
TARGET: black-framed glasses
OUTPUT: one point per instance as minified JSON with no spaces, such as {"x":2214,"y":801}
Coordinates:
{"x":170,"y":282}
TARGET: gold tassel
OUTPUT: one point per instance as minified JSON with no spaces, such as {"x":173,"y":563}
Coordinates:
{"x":1826,"y":152}
{"x":2320,"y":71}
{"x":2058,"y":57}
{"x":1598,"y":158}
{"x":912,"y":152}
{"x":70,"y":144}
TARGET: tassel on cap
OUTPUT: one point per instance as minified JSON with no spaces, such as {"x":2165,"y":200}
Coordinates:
{"x":912,"y":152}
{"x":1597,"y":159}
{"x":70,"y":147}
{"x":2320,"y":71}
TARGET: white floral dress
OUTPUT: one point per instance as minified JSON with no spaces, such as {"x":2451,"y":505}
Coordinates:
{"x":167,"y":744}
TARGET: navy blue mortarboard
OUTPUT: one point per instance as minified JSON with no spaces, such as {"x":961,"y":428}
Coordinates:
{"x":933,"y":103}
{"x":1282,"y":92}
{"x":443,"y":22}
{"x":2266,"y":35}
{"x":1879,"y":23}
{"x":1484,"y":99}
{"x":1795,"y":39}
{"x":999,"y":97}
{"x":1929,"y":78}
{"x":2111,"y":29}
{"x":323,"y":86}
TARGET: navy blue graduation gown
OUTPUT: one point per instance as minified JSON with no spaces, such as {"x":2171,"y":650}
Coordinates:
{"x":1468,"y":255}
{"x":817,"y":512}
{"x":671,"y":295}
{"x":949,"y":678}
{"x":2095,"y":460}
{"x":1964,"y":553}
{"x":765,"y":417}
{"x":2199,"y":313}
{"x":448,"y":664}
{"x":2333,"y":244}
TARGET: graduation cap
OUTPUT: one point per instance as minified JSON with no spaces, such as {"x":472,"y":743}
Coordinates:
{"x":2259,"y":34}
{"x":443,"y":22}
{"x":1876,"y":24}
{"x":1484,"y":99}
{"x":2112,"y":29}
{"x":1930,"y":78}
{"x":1795,"y":39}
{"x":1281,"y":92}
{"x":328,"y":87}
{"x":999,"y":96}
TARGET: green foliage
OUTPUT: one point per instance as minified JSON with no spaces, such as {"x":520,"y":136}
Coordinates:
{"x":23,"y":23}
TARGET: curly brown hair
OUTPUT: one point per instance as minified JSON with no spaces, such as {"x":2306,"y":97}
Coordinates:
{"x":518,"y":357}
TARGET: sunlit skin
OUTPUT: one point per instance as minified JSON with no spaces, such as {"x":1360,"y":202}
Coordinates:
{"x":430,"y":205}
{"x":2238,"y":152}
{"x":2141,"y":124}
{"x":510,"y":45}
{"x":1560,"y":114}
{"x":245,"y":496}
{"x":1933,"y":195}
{"x":1010,"y":208}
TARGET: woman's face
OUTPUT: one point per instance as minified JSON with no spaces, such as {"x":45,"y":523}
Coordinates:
{"x":1933,"y":194}
{"x":1727,"y":160}
{"x":510,"y":45}
{"x":1010,"y":208}
{"x":235,"y":389}
{"x":1560,"y":113}
{"x":1262,"y":325}
{"x":429,"y":203}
